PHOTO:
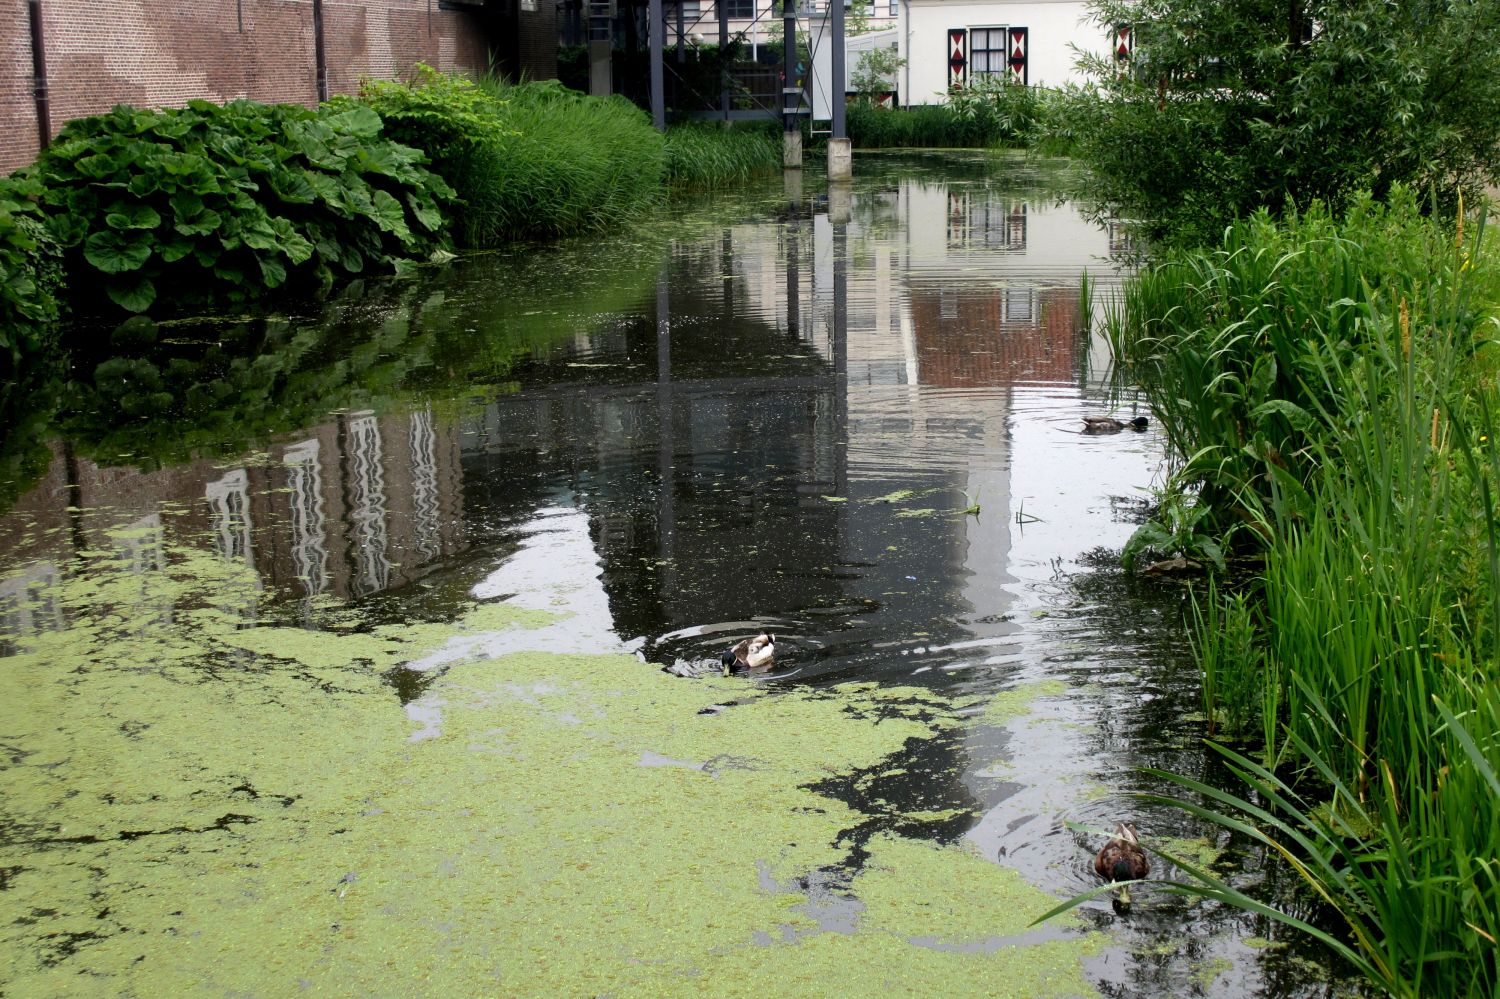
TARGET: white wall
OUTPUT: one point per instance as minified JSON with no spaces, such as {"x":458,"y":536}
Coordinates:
{"x":1055,"y":26}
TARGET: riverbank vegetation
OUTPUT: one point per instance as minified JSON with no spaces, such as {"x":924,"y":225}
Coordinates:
{"x":1327,"y":383}
{"x":30,"y":283}
{"x":1224,"y":108}
{"x":989,"y":113}
{"x":529,"y":161}
{"x":701,"y":157}
{"x":228,"y":202}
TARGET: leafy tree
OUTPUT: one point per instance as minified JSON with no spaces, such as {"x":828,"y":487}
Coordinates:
{"x":875,"y":72}
{"x":1228,"y":105}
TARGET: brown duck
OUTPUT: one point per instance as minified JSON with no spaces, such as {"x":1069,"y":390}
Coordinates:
{"x":1122,"y":859}
{"x":751,"y":653}
{"x":1110,"y":425}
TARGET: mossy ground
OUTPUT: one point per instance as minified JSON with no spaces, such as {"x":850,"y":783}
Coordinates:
{"x":198,"y":799}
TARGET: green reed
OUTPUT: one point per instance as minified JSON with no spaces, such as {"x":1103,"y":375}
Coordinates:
{"x":569,"y":163}
{"x":1327,"y":387}
{"x":705,"y":156}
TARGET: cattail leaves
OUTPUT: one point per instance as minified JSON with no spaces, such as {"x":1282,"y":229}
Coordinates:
{"x":1322,"y":378}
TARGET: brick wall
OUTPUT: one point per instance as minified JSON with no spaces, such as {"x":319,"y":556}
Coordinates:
{"x":166,"y":52}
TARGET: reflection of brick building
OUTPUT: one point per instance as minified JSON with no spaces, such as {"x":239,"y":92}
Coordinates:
{"x":967,"y":337}
{"x":356,"y":505}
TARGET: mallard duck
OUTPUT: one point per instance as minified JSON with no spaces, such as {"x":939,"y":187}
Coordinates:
{"x":751,"y":653}
{"x":1122,"y":859}
{"x":1110,"y":425}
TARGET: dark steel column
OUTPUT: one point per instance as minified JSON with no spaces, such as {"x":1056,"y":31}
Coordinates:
{"x":681,"y":32}
{"x":655,"y":30}
{"x":39,"y":75}
{"x":789,"y":65}
{"x":837,"y":85}
{"x":723,"y":8}
{"x":319,"y":60}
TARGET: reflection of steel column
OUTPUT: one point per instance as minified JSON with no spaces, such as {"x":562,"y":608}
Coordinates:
{"x":229,"y":509}
{"x":793,"y":327}
{"x":666,"y":473}
{"x":841,"y":345}
{"x":726,"y":268}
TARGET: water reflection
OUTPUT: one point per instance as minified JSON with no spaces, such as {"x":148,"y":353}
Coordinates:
{"x":847,"y":416}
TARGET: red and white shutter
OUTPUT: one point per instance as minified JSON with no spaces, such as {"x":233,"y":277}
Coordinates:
{"x":958,"y":56}
{"x":1018,"y":41}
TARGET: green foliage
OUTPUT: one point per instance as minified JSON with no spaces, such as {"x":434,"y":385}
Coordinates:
{"x":701,"y":157}
{"x":231,"y":201}
{"x":1232,"y":106}
{"x":567,"y":163}
{"x":1325,"y":384}
{"x":1179,"y":529}
{"x":1008,"y":111}
{"x":31,"y":281}
{"x":990,"y":113}
{"x":875,"y":71}
{"x":1238,"y":348}
{"x":446,"y":116}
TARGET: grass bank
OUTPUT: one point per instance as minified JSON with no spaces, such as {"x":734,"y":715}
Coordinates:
{"x":706,"y":156}
{"x":986,"y":116}
{"x":1328,"y":384}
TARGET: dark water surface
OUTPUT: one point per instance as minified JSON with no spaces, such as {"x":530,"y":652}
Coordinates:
{"x":850,"y":419}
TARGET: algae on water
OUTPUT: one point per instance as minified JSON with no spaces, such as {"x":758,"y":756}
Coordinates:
{"x":200,"y":798}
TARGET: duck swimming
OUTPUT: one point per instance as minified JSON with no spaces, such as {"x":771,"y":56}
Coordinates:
{"x":1110,"y":425}
{"x":751,"y":653}
{"x":1122,"y":859}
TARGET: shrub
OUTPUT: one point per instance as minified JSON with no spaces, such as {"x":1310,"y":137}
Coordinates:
{"x":988,"y":113}
{"x":30,"y":283}
{"x":447,"y":117}
{"x":1228,"y":107}
{"x":245,"y":195}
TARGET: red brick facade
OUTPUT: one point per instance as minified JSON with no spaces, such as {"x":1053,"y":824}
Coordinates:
{"x":166,"y":52}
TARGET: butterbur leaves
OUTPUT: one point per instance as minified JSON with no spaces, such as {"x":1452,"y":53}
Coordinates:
{"x":113,"y":253}
{"x":228,"y":202}
{"x":132,"y":215}
{"x":132,"y":296}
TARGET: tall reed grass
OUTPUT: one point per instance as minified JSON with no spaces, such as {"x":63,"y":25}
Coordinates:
{"x":530,"y":160}
{"x":1328,"y":388}
{"x":701,"y":157}
{"x":574,"y":163}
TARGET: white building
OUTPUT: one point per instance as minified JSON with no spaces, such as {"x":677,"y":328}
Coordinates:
{"x":1027,"y":41}
{"x":944,"y":42}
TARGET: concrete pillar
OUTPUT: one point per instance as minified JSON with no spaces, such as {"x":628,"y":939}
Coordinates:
{"x":791,"y":149}
{"x":840,"y":160}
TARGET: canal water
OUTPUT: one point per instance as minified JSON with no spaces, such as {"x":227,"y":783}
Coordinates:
{"x":387,"y":663}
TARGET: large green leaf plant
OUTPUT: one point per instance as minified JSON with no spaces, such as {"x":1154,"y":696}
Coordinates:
{"x":162,"y":209}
